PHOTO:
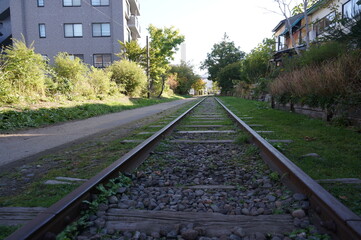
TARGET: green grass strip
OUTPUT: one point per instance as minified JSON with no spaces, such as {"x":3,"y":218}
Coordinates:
{"x":11,"y":119}
{"x":338,"y":147}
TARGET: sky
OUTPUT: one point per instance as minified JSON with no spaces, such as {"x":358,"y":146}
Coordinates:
{"x":204,"y":22}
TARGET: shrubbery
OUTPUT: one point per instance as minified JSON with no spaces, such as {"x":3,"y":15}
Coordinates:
{"x":335,"y":81}
{"x":129,"y":77}
{"x":25,"y":76}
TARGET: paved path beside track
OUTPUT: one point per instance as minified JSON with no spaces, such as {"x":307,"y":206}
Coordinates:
{"x":27,"y":143}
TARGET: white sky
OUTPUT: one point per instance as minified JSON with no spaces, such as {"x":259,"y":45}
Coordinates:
{"x":204,"y":22}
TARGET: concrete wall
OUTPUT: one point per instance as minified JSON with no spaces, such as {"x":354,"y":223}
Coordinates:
{"x":352,"y":114}
{"x":26,"y":17}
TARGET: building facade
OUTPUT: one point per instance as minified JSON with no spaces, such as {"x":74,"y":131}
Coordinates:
{"x":88,"y":29}
{"x":321,"y":17}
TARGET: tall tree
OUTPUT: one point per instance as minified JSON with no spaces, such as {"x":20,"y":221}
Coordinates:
{"x":256,"y":64}
{"x":303,"y":8}
{"x":285,"y":8}
{"x":222,"y":54}
{"x":132,"y":51}
{"x":163,"y":45}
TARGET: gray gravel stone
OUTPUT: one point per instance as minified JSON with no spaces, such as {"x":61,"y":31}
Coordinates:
{"x":190,"y":234}
{"x":299,"y":196}
{"x":113,"y":200}
{"x":239,"y":232}
{"x":299,"y":213}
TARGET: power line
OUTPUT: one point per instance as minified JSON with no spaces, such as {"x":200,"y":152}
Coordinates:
{"x":110,"y":18}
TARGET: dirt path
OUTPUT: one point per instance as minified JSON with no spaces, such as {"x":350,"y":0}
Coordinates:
{"x":35,"y":142}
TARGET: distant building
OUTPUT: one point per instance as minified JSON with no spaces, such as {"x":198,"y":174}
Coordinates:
{"x":88,"y":29}
{"x":184,"y":52}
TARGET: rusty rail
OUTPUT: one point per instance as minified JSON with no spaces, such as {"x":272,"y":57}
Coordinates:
{"x":54,"y":220}
{"x":329,"y":213}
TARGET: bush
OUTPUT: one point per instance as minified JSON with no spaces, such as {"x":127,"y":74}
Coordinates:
{"x":129,"y":77}
{"x":100,"y":82}
{"x":333,"y":82}
{"x":316,"y":55}
{"x":23,"y":73}
{"x":71,"y":76}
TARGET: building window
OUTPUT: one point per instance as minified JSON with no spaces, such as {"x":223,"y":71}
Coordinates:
{"x":324,"y":24}
{"x":101,"y":29}
{"x":80,"y":56}
{"x":40,"y":3}
{"x":71,"y":3}
{"x":280,"y":43}
{"x":102,"y":60}
{"x":42,"y":30}
{"x":350,"y":9}
{"x":73,"y":30}
{"x":100,"y":2}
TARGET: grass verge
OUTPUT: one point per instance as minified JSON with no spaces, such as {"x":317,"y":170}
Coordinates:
{"x":27,"y":116}
{"x":338,"y":148}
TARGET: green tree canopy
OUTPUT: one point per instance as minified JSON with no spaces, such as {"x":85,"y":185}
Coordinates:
{"x":228,"y":75}
{"x":164,"y":44}
{"x":185,"y":77}
{"x":222,"y":54}
{"x":256,"y":63}
{"x":132,"y":51}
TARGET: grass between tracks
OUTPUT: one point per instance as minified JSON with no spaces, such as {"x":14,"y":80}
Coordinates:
{"x":25,"y":116}
{"x":338,"y":147}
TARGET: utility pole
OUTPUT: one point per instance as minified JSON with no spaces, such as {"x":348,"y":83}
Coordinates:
{"x":148,"y":68}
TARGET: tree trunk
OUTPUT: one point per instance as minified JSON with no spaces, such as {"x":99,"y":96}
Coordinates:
{"x":284,"y":7}
{"x":163,"y":85}
{"x":305,"y":6}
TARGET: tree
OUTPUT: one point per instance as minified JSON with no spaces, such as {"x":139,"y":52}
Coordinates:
{"x":222,"y":54}
{"x":256,"y":64}
{"x":163,"y":45}
{"x":185,"y":77}
{"x":198,"y":85}
{"x":132,"y":51}
{"x":229,"y":75}
{"x":285,"y":8}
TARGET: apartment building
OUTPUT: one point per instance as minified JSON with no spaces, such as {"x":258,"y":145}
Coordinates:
{"x":88,"y":29}
{"x":320,"y":18}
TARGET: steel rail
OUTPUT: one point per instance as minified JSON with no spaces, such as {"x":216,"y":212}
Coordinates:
{"x":329,"y":213}
{"x":54,"y":220}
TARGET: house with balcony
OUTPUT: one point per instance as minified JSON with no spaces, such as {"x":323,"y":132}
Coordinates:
{"x":320,"y":16}
{"x":88,"y":29}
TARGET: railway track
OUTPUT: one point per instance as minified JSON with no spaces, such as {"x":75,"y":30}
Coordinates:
{"x":203,"y":181}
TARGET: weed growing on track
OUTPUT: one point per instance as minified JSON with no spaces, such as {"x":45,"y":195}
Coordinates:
{"x":338,"y":147}
{"x":110,"y":189}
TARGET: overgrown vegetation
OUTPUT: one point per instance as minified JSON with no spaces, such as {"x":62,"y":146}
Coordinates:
{"x":323,"y":78}
{"x":27,"y":77}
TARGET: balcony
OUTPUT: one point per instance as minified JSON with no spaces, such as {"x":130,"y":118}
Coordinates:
{"x":134,"y":7}
{"x":134,"y":26}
